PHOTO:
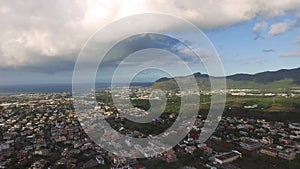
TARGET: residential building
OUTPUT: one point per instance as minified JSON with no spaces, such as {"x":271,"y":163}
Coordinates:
{"x":269,"y":151}
{"x":227,"y":157}
{"x":287,"y":154}
{"x":250,"y":145}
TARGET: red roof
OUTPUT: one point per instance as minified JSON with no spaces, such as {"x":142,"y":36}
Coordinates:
{"x":206,"y":148}
{"x":224,"y":144}
{"x":138,"y":166}
{"x":245,"y":152}
{"x":22,"y":160}
{"x":195,"y":136}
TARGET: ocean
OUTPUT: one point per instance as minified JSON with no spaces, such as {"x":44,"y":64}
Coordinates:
{"x":54,"y":88}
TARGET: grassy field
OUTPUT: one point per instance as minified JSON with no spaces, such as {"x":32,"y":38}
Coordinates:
{"x":270,"y":108}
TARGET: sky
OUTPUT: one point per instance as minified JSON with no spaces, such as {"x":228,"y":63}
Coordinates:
{"x":41,"y":40}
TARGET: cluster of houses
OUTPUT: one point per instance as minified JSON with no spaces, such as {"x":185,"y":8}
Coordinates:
{"x":256,"y":92}
{"x":42,"y":130}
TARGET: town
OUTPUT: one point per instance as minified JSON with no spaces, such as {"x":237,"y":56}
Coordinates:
{"x":42,"y":131}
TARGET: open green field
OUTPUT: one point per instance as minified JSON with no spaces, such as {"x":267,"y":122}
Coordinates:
{"x":270,"y":108}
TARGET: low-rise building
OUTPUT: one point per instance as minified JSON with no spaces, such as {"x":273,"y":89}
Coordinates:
{"x":287,"y":154}
{"x":250,"y":145}
{"x":4,"y":146}
{"x":227,"y":157}
{"x":267,"y":140}
{"x":170,"y":156}
{"x":269,"y":151}
{"x":100,"y":159}
{"x":206,"y":149}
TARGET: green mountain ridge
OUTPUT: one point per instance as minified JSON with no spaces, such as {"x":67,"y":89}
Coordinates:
{"x":284,"y":78}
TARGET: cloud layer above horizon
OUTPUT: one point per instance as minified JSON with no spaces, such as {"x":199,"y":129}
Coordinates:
{"x":37,"y":35}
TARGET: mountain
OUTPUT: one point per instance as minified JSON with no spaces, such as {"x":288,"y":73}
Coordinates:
{"x":284,"y":78}
{"x":267,"y":77}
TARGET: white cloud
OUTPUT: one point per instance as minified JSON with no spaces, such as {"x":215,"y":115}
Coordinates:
{"x":280,"y":27}
{"x":35,"y":31}
{"x":260,"y":26}
{"x":291,"y":54}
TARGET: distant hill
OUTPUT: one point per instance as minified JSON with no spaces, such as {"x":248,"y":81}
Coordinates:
{"x":283,"y":78}
{"x":267,"y":77}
